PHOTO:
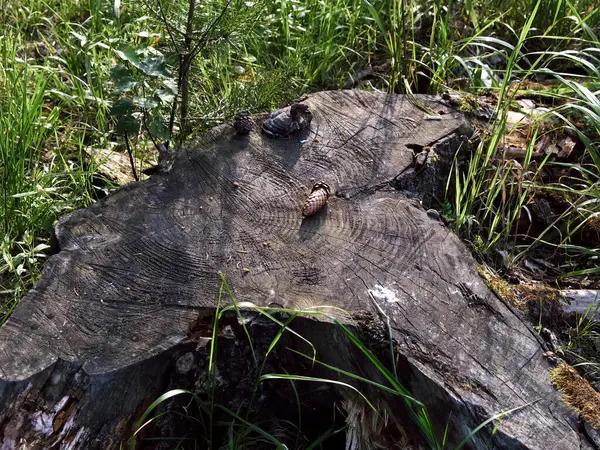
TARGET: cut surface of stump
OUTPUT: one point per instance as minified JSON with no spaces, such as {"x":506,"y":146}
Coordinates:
{"x":91,"y":345}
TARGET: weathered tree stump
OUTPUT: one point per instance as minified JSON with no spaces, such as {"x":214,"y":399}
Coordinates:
{"x":107,"y":328}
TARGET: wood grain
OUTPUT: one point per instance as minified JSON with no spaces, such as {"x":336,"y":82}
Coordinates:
{"x":135,"y":269}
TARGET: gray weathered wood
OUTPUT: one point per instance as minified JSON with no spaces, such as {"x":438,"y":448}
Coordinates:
{"x":582,"y":301}
{"x":96,"y":339}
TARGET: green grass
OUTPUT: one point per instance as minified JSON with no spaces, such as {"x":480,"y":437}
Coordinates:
{"x":488,"y":200}
{"x":38,"y":185}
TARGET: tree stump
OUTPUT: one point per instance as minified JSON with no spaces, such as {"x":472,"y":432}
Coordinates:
{"x":107,"y":328}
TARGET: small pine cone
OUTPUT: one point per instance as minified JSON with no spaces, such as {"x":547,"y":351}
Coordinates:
{"x":243,"y":124}
{"x":317,"y":199}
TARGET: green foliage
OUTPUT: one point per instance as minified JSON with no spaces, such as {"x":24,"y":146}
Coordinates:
{"x":34,"y":192}
{"x":493,"y":195}
{"x":583,"y":341}
{"x":148,"y":93}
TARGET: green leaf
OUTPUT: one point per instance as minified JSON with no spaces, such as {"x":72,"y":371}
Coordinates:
{"x":125,"y":85}
{"x":80,"y":37}
{"x":141,"y":422}
{"x":128,"y":125}
{"x":154,"y":66}
{"x":119,"y":71}
{"x":158,"y":128}
{"x":147,"y":34}
{"x":122,"y":78}
{"x":130,"y":54}
{"x":171,"y":85}
{"x":172,"y":59}
{"x":147,"y":103}
{"x":122,"y":107}
{"x":165,"y":95}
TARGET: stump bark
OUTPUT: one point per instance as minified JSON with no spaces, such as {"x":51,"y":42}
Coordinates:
{"x":117,"y":315}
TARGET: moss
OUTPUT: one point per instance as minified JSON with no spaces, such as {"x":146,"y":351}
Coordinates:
{"x":577,"y":393}
{"x":468,"y":104}
{"x":500,"y":286}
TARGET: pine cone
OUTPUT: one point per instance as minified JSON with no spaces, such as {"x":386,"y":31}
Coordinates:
{"x":243,"y":124}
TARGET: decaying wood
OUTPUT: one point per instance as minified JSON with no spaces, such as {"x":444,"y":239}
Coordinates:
{"x":582,"y":301}
{"x":113,"y":165}
{"x":107,"y":328}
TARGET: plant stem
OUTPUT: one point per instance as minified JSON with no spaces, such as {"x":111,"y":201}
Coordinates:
{"x":131,"y":161}
{"x":184,"y":69}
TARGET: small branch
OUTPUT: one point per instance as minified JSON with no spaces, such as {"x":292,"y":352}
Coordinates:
{"x":189,"y":28}
{"x":172,"y":121}
{"x":184,"y":72}
{"x":145,"y":125}
{"x":161,"y":16}
{"x":169,"y":27}
{"x":185,"y":62}
{"x":131,"y":161}
{"x":197,"y":48}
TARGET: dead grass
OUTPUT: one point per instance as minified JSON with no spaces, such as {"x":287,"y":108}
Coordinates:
{"x":532,"y":292}
{"x":542,"y":304}
{"x":577,"y":393}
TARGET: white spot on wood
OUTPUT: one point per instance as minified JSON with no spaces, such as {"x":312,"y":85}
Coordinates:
{"x":42,"y":423}
{"x":55,"y":378}
{"x":75,"y":443}
{"x":384,"y":293}
{"x":61,"y":404}
{"x":185,"y":363}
